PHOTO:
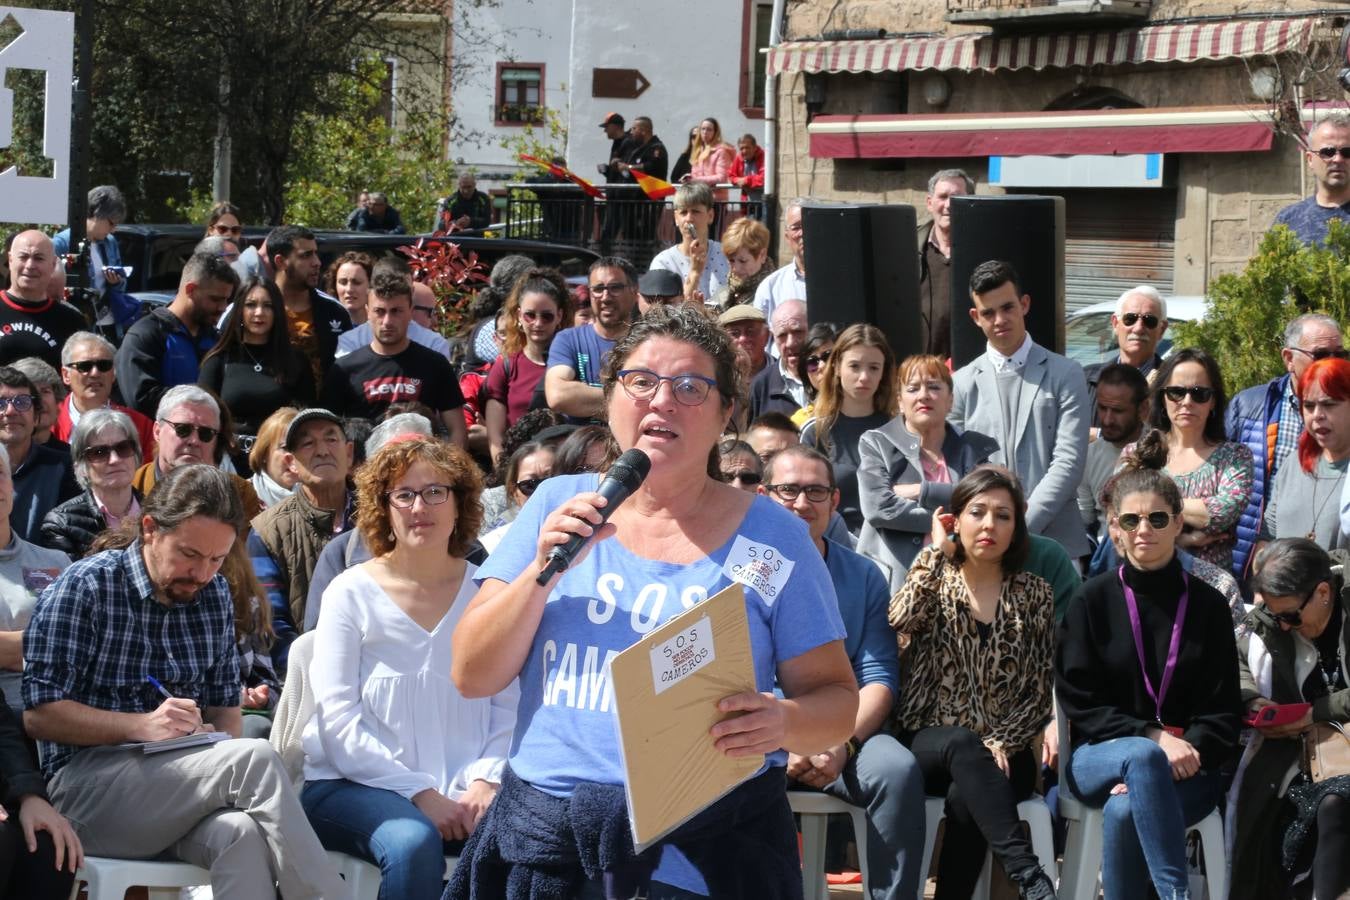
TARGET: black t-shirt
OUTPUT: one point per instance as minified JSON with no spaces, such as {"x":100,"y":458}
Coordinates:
{"x":36,"y":330}
{"x":363,"y":383}
{"x":251,"y":395}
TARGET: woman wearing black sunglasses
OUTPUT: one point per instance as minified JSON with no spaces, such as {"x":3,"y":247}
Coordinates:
{"x":811,"y":366}
{"x":1295,"y":653}
{"x":1188,"y":442}
{"x":527,"y":468}
{"x":1146,"y":672}
{"x":106,"y":454}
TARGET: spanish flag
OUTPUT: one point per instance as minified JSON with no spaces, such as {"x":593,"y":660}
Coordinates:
{"x":558,"y":171}
{"x":653,"y":187}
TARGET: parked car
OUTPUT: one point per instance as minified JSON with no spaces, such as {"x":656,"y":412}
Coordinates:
{"x":1089,"y":338}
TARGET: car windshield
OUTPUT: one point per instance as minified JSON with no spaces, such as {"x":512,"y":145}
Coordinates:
{"x":1089,"y":339}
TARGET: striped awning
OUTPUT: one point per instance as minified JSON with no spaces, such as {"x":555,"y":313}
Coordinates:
{"x":1149,"y":44}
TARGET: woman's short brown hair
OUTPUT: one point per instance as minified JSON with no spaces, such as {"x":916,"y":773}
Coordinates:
{"x":270,"y":435}
{"x":380,"y":472}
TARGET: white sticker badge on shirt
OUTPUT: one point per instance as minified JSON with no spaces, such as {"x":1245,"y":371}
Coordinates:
{"x":758,"y":565}
{"x":683,"y":655}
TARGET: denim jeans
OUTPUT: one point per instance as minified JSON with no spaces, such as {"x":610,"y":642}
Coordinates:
{"x":1152,"y":844}
{"x":383,"y":828}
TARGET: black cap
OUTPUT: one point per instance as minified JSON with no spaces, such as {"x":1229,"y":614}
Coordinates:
{"x":313,"y":414}
{"x":660,"y":283}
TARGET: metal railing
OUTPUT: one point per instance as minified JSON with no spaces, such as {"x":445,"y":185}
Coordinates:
{"x":625,"y":223}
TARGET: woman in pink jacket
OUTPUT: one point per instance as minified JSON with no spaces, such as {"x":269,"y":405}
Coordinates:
{"x":712,"y":156}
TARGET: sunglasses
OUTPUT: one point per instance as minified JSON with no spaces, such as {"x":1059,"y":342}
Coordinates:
{"x":227,"y":229}
{"x":1332,"y":152}
{"x":745,"y":477}
{"x":1293,"y":618}
{"x":1322,"y":353}
{"x":613,"y":287}
{"x":184,"y":430}
{"x":527,"y":486}
{"x":101,"y":452}
{"x":1157,"y":520}
{"x":1176,"y":393}
{"x":85,"y":366}
{"x":21,"y":403}
{"x":816,"y":360}
{"x":530,"y":315}
{"x":1150,"y":321}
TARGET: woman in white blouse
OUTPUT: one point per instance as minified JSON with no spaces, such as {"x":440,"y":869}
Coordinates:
{"x":398,"y":765}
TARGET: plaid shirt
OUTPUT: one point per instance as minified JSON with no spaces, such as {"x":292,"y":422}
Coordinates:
{"x":1288,"y":432}
{"x":98,"y":631}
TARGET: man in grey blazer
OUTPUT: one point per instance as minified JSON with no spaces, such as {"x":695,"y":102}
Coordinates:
{"x":1031,"y":401}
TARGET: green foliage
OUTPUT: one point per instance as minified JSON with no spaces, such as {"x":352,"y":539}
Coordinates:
{"x":1247,"y":312}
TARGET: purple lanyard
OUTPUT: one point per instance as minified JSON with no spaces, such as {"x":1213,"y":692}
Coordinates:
{"x":1173,"y":648}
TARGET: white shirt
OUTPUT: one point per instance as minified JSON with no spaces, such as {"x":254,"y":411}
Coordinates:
{"x":715,"y":272}
{"x":362,"y":335}
{"x":794,"y":387}
{"x":1012,"y":363}
{"x":780,"y":286}
{"x":386,"y":713}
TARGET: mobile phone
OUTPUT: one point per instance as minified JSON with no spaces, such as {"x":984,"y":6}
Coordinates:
{"x":1279,"y":714}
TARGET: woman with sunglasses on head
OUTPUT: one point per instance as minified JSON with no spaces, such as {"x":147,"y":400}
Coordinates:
{"x":669,"y":385}
{"x":255,"y":369}
{"x":1305,"y":500}
{"x":811,"y":367}
{"x":977,"y":692}
{"x":857,"y":394}
{"x":1295,"y":652}
{"x":106,"y":452}
{"x":537,"y":308}
{"x":1146,"y":673}
{"x":1189,"y":444}
{"x":526,"y":469}
{"x":908,"y":467}
{"x":399,"y":765}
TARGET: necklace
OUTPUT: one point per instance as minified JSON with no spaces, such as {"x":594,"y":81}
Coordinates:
{"x":1317,"y":508}
{"x":257,"y":366}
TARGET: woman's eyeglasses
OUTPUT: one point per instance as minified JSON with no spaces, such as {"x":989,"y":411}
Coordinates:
{"x":184,"y":430}
{"x":100,"y":453}
{"x":543,"y":315}
{"x":432,"y":495}
{"x":816,"y":360}
{"x":527,"y":486}
{"x":1176,"y":393}
{"x":85,"y":366}
{"x":689,"y":390}
{"x":1157,"y":520}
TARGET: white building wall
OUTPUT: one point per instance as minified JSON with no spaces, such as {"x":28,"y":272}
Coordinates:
{"x":690,"y":52}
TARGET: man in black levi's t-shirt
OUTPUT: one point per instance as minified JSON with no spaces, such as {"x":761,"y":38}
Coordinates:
{"x":31,"y":324}
{"x":393,"y":369}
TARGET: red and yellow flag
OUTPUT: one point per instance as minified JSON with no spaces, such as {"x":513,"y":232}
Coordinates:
{"x":653,"y":187}
{"x":558,"y":171}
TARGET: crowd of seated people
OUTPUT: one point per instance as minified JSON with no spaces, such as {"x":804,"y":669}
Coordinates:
{"x":186,"y":499}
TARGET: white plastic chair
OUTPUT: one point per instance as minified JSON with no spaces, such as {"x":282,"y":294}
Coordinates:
{"x":815,"y":808}
{"x":110,"y":879}
{"x":363,"y":878}
{"x":1032,"y":811}
{"x":1085,"y":842}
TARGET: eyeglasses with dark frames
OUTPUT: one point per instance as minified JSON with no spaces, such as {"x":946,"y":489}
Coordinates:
{"x":184,"y":430}
{"x":1329,"y":153}
{"x":543,"y":315}
{"x":744,"y":476}
{"x":689,"y":389}
{"x":613,"y":287}
{"x":816,"y":360}
{"x":1322,"y":353}
{"x":1294,"y":617}
{"x":20,"y":403}
{"x":1157,"y":520}
{"x":101,"y":453}
{"x":1150,"y":321}
{"x":85,"y":366}
{"x":432,"y":495}
{"x":1176,"y":393}
{"x":816,"y":493}
{"x":528,"y":486}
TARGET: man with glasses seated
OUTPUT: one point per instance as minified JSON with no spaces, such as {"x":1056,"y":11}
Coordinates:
{"x":1328,"y":156}
{"x":87,"y":368}
{"x":872,"y":769}
{"x":43,"y":477}
{"x":572,"y":380}
{"x":187,"y":430}
{"x":287,"y":538}
{"x":1267,"y":419}
{"x":1139,"y":322}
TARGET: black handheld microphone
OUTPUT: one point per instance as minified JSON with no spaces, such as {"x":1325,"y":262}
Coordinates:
{"x":624,"y":477}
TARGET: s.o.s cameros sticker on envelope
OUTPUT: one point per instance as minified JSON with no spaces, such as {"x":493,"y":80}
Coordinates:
{"x":759,"y":566}
{"x":683,"y":655}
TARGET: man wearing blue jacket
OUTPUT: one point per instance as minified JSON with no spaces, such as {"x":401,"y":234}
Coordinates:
{"x":872,"y":769}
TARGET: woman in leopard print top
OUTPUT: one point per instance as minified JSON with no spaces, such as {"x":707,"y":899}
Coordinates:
{"x":977,"y":691}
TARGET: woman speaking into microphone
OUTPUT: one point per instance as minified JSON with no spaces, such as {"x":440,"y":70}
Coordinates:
{"x":669,"y":389}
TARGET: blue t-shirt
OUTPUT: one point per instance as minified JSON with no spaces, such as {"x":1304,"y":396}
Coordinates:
{"x":1308,"y":219}
{"x":581,"y":349}
{"x":864,"y":598}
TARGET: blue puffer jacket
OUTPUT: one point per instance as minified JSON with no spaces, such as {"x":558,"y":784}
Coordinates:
{"x":1247,"y":421}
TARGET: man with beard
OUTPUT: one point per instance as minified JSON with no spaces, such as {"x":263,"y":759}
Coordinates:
{"x":43,"y":477}
{"x":313,"y":319}
{"x":288,"y":538}
{"x":1121,"y":405}
{"x":572,"y":380}
{"x":391,"y":368}
{"x":31,"y":322}
{"x":138,"y":644}
{"x":165,"y":348}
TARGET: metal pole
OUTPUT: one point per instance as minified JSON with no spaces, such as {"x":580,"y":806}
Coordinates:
{"x":80,"y":151}
{"x":220,"y":175}
{"x":771,"y":127}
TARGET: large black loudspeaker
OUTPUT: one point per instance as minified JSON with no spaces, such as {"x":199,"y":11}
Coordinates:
{"x":1026,"y":231}
{"x":862,"y":266}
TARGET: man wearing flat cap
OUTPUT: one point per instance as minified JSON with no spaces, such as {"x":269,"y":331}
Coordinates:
{"x":749,"y":331}
{"x":659,"y":287}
